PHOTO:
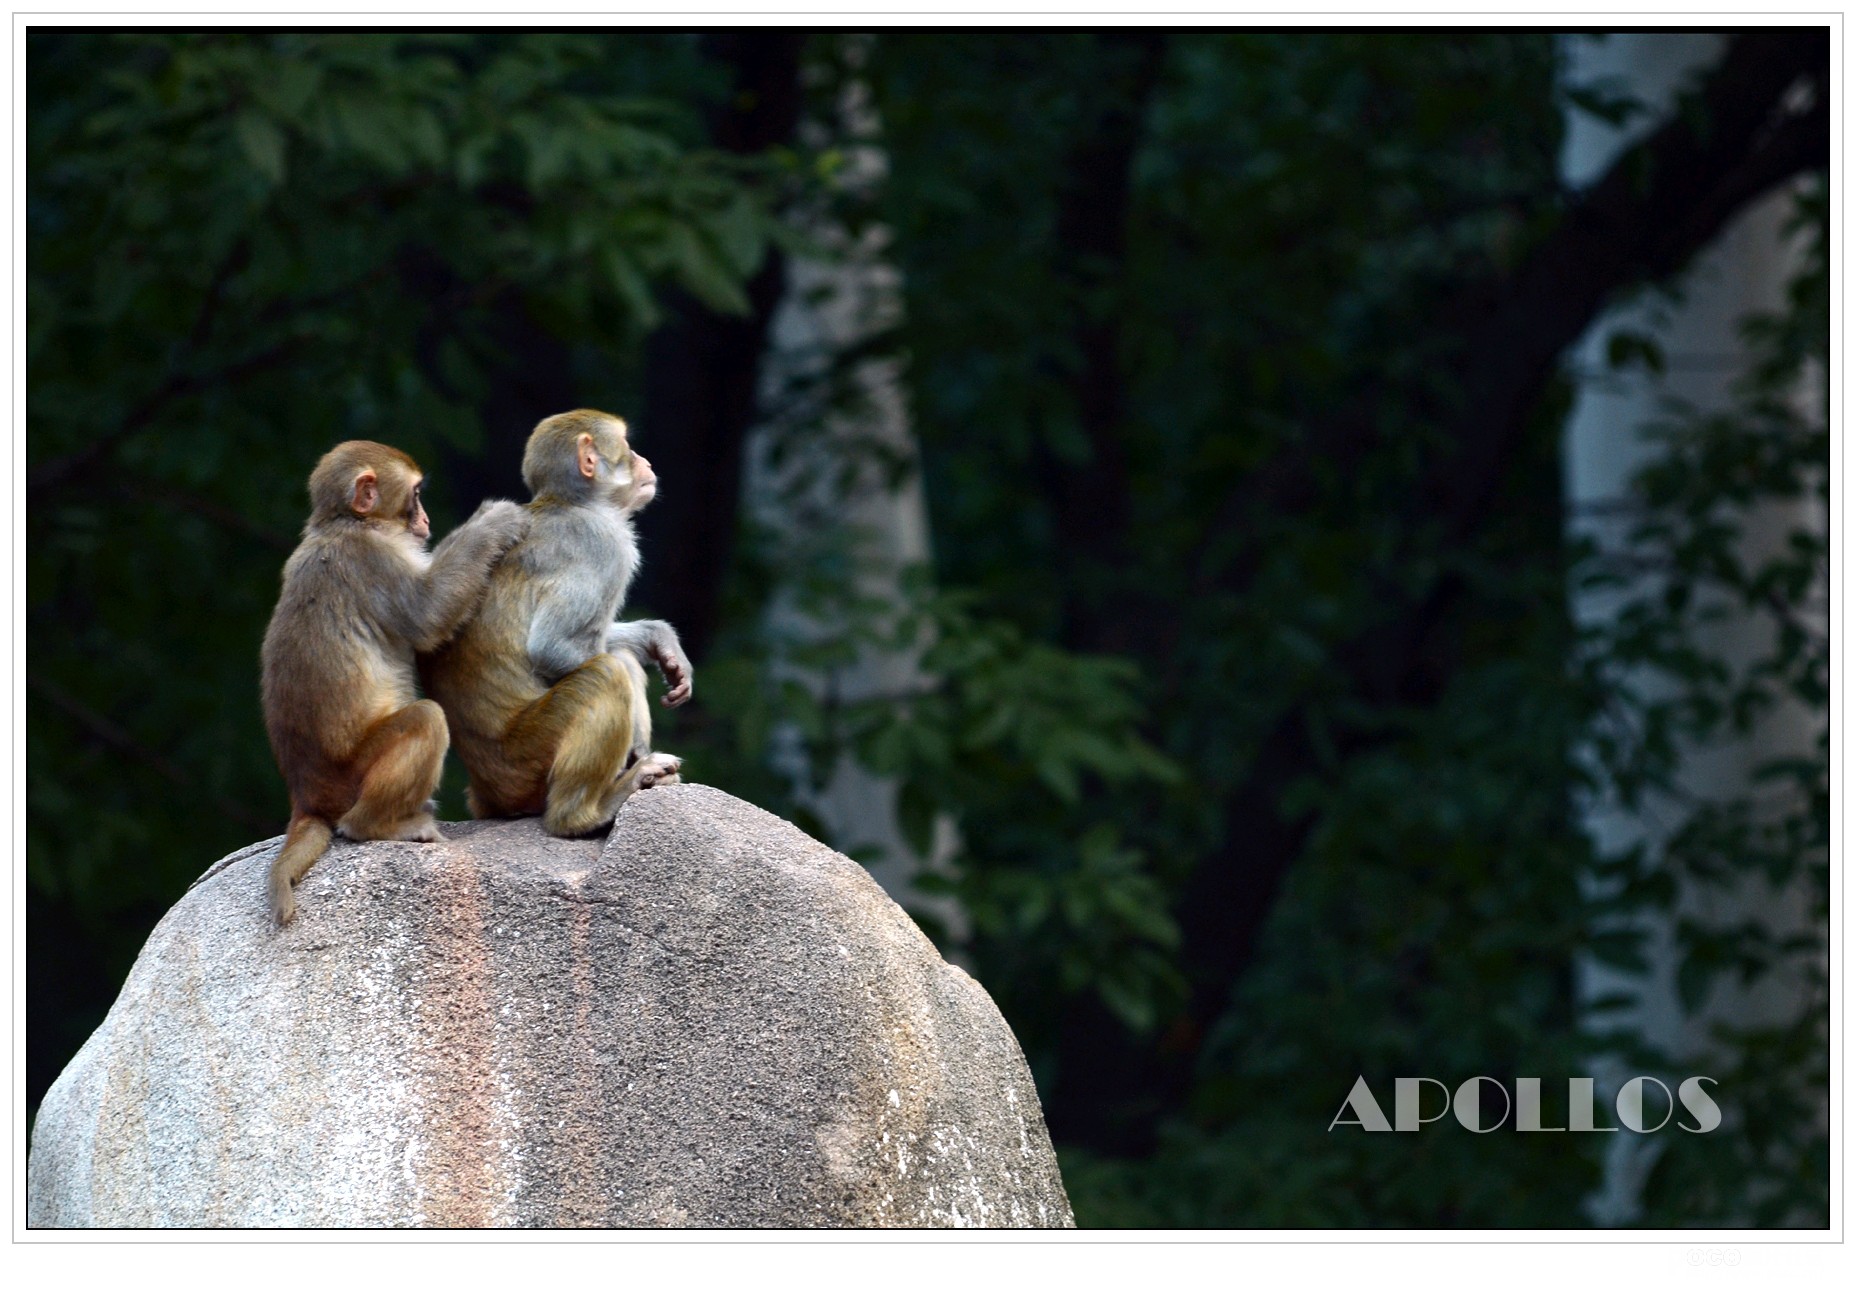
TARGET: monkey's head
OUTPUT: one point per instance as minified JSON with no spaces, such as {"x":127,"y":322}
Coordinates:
{"x":373,"y":482}
{"x":584,"y":456}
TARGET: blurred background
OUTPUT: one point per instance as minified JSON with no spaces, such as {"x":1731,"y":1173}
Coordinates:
{"x":1294,"y":556}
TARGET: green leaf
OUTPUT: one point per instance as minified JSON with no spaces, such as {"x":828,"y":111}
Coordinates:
{"x":262,"y":143}
{"x":1621,"y":949}
{"x":1131,"y":1007}
{"x":630,"y":283}
{"x":1694,"y":977}
{"x":1624,"y":348}
{"x":705,"y":274}
{"x":737,"y":233}
{"x":1605,"y":100}
{"x":915,"y":815}
{"x":1059,"y":777}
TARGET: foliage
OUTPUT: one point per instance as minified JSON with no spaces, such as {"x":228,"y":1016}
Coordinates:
{"x":1701,"y":568}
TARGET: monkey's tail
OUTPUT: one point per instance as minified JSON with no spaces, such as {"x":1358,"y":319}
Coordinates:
{"x":307,"y":840}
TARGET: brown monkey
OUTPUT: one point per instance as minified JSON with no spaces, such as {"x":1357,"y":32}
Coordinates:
{"x":544,"y":691}
{"x":360,"y":751}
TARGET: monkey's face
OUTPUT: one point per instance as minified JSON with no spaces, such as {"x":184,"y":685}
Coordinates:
{"x":626,"y":475}
{"x":416,"y":520}
{"x":644,"y":482}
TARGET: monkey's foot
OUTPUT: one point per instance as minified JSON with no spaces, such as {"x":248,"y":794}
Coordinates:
{"x":659,"y":769}
{"x":421,"y":828}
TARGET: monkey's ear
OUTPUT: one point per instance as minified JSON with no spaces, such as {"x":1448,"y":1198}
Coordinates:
{"x":366,"y":493}
{"x":586,"y":456}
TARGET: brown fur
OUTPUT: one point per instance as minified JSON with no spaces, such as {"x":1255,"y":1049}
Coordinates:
{"x":556,"y":723}
{"x":359,"y":750}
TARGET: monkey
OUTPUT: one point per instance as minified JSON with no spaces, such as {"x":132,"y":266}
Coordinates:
{"x":361,"y":753}
{"x":543,"y":687}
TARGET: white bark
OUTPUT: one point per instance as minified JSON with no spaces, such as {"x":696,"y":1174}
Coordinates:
{"x":1743,"y":272}
{"x":836,"y":465}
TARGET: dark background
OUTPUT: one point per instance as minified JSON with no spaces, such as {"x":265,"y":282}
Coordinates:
{"x":1235,"y":367}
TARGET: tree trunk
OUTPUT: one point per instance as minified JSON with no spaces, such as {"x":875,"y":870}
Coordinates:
{"x":702,"y":367}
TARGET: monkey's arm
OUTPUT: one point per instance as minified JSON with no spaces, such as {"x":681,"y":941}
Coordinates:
{"x":657,"y":641}
{"x":569,"y":625}
{"x":460,"y":567}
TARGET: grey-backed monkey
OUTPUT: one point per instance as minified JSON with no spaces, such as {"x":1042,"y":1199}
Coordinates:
{"x":544,"y":690}
{"x":359,"y":750}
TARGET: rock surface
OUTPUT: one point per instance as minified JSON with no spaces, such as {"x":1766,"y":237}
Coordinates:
{"x":708,"y":1020}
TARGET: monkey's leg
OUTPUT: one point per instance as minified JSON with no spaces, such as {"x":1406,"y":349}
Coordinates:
{"x":399,"y":762}
{"x":648,"y":769}
{"x":592,"y":773}
{"x":645,"y":768}
{"x":579,"y":735}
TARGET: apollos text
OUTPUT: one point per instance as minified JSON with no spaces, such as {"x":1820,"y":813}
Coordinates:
{"x":1643,"y":1105}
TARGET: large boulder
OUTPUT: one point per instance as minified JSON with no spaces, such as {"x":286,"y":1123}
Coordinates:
{"x":707,"y":1020}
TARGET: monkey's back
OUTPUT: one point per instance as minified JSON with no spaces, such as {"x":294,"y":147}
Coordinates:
{"x":329,"y":666}
{"x":483,"y":677}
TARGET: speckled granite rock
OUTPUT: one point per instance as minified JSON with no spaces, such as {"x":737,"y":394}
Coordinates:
{"x":710,"y":1020}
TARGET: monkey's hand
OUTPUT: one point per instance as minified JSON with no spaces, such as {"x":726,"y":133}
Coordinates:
{"x":460,"y":568}
{"x":677,"y":673}
{"x":505,"y":522}
{"x":657,"y":641}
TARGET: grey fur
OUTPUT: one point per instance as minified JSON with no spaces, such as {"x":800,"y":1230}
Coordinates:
{"x":582,"y":547}
{"x":585,"y":554}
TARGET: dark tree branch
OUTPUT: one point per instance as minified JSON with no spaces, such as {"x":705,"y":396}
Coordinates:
{"x":210,"y":510}
{"x":179,"y":383}
{"x":235,"y":261}
{"x":53,"y":472}
{"x":107,"y":732}
{"x":1092,"y":497}
{"x":1658,"y":206}
{"x":1655,"y":208}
